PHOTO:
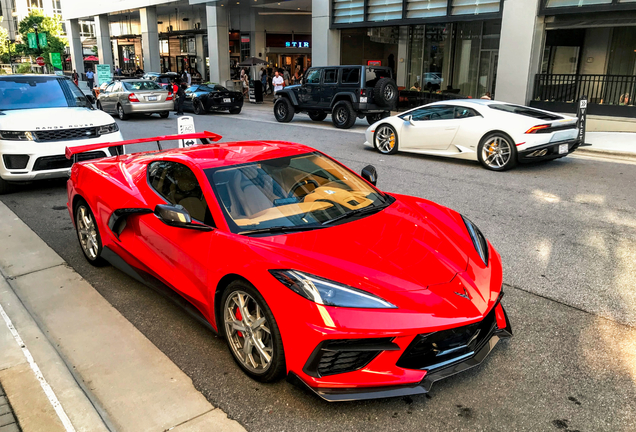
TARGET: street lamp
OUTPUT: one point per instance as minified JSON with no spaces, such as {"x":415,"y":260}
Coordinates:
{"x":37,"y":41}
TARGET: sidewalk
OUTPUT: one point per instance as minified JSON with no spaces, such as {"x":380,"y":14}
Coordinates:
{"x":70,"y":362}
{"x":621,"y":144}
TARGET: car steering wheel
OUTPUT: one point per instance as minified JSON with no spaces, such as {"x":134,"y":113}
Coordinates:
{"x":299,"y":184}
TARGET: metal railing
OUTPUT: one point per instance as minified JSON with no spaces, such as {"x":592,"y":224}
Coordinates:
{"x":599,"y":89}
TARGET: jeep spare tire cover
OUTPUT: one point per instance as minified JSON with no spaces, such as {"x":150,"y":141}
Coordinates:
{"x":385,"y":92}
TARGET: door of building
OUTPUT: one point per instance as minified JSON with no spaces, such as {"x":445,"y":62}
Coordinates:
{"x":487,"y":73}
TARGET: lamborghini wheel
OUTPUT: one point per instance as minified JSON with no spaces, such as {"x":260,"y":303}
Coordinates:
{"x":497,"y":152}
{"x":251,"y":332}
{"x":385,"y":139}
{"x":88,"y":234}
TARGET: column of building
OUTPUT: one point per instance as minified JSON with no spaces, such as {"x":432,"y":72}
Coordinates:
{"x":75,"y":45}
{"x":325,"y":42}
{"x":218,"y":43}
{"x":522,"y":34}
{"x":104,"y":46}
{"x":150,"y":39}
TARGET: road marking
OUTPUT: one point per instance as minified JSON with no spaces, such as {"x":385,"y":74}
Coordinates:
{"x":38,"y":374}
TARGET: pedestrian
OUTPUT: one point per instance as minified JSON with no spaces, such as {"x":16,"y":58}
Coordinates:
{"x":246,"y":84}
{"x":181,"y":98}
{"x":286,"y":76}
{"x":90,"y":76}
{"x":264,"y":80}
{"x":278,"y":81}
{"x":75,"y":77}
{"x":486,"y":96}
{"x":188,"y":78}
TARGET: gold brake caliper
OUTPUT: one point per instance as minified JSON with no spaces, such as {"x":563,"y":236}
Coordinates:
{"x":392,"y":140}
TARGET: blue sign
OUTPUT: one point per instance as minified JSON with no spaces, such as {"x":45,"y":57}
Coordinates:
{"x":295,"y":44}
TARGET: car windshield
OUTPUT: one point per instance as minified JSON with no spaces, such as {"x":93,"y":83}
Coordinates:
{"x":141,"y":85}
{"x":27,"y":92}
{"x":297,"y":192}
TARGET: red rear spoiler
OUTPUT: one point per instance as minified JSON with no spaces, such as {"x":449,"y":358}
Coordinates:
{"x":203,"y":136}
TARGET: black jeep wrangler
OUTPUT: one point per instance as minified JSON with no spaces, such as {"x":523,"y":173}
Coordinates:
{"x":345,"y":92}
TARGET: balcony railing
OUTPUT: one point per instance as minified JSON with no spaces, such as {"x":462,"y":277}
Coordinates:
{"x":599,"y":89}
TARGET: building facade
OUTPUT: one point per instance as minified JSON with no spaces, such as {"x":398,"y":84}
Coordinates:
{"x":544,"y":52}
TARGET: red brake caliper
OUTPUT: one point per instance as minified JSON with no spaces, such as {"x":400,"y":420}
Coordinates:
{"x":237,"y":314}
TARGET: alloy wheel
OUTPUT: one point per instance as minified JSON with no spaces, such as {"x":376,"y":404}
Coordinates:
{"x":87,"y":232}
{"x":120,"y":112}
{"x":341,"y":115}
{"x":248,"y":332}
{"x":282,"y":110}
{"x":496,"y":152}
{"x":385,"y":139}
{"x":388,"y":93}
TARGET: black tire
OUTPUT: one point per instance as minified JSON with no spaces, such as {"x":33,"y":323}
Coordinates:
{"x":197,"y":107}
{"x":235,"y":110}
{"x":372,"y":118}
{"x":96,"y":259}
{"x":277,"y":366}
{"x":384,"y":146}
{"x":121,"y":114}
{"x":343,"y":116}
{"x":164,"y":114}
{"x":317,"y":116}
{"x":385,"y":92}
{"x":5,"y":187}
{"x":491,"y":152}
{"x":283,"y":110}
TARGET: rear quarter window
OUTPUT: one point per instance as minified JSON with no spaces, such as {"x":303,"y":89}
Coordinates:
{"x":524,"y":111}
{"x":373,"y":75}
{"x":350,"y":75}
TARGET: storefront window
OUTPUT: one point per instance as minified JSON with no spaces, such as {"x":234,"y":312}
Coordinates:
{"x":476,"y":57}
{"x":427,"y":48}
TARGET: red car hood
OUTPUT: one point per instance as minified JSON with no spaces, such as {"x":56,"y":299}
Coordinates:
{"x":408,"y":246}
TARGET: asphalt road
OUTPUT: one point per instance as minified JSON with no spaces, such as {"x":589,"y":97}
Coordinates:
{"x":566,"y":231}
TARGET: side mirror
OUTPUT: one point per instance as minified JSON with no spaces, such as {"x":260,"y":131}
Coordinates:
{"x":91,"y":99}
{"x":370,"y":174}
{"x":409,"y":118}
{"x":177,"y":216}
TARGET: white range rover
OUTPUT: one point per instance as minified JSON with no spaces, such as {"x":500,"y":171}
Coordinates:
{"x":40,"y":115}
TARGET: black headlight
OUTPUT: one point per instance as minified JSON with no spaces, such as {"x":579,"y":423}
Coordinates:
{"x":17,"y":135}
{"x":111,"y":128}
{"x":479,"y":241}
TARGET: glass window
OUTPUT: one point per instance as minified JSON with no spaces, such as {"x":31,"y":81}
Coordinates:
{"x":426,"y":8}
{"x":348,"y":11}
{"x":427,"y":54}
{"x":313,"y":76}
{"x":575,"y":3}
{"x":384,"y":10}
{"x":39,"y":92}
{"x":525,"y":111}
{"x":474,"y":7}
{"x":350,"y":75}
{"x":465,"y":112}
{"x":331,"y":76}
{"x":110,"y":88}
{"x":178,"y":185}
{"x":142,"y":85}
{"x":297,"y":191}
{"x":437,"y":112}
{"x":373,"y":75}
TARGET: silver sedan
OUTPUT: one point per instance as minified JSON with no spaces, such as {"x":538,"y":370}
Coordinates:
{"x":135,"y":96}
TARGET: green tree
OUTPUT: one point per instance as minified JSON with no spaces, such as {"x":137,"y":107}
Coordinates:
{"x":49,"y":25}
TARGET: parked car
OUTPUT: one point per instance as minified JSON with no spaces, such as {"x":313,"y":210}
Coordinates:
{"x":203,"y":98}
{"x":432,"y":81}
{"x":306,"y":268}
{"x":345,"y":92}
{"x":135,"y":96}
{"x":497,"y":134}
{"x":40,"y":116}
{"x":162,"y":79}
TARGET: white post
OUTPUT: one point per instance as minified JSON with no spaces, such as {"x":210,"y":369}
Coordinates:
{"x":522,"y":35}
{"x":150,"y":39}
{"x":102,"y":33}
{"x":75,"y":45}
{"x":218,"y":44}
{"x":325,"y":43}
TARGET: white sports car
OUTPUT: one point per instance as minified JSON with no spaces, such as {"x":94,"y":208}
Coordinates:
{"x":498,"y":134}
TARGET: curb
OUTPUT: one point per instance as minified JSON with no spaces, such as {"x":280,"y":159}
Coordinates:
{"x":96,"y":361}
{"x":609,"y":154}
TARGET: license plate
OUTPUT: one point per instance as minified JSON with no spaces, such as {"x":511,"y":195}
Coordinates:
{"x":227,"y":100}
{"x":152,"y":98}
{"x":363,"y":99}
{"x":563,"y":148}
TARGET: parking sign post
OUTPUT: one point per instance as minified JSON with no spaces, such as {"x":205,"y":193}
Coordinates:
{"x":582,"y":116}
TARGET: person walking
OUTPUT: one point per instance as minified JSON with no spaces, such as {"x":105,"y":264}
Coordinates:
{"x":286,"y":76}
{"x":90,"y":76}
{"x":264,"y":80}
{"x":188,"y":78}
{"x":278,"y":81}
{"x":181,"y":97}
{"x":75,"y":77}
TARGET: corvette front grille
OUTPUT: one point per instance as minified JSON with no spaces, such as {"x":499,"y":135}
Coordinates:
{"x":59,"y":162}
{"x":66,"y":134}
{"x":439,"y":349}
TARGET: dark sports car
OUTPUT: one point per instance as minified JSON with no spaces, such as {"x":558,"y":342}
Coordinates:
{"x":202,"y":98}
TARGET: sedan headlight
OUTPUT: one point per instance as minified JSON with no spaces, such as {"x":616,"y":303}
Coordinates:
{"x":328,"y":293}
{"x":17,"y":136}
{"x":111,"y":128}
{"x":479,"y":241}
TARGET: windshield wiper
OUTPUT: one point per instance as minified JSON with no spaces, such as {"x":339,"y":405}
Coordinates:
{"x":358,"y":212}
{"x":281,"y":229}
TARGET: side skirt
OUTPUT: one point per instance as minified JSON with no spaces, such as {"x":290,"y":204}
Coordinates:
{"x":157,"y":285}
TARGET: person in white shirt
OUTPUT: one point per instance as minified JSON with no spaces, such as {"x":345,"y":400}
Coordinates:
{"x":189,"y":78}
{"x":278,"y":81}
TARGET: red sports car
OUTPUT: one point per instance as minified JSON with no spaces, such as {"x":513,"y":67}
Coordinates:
{"x":306,"y":268}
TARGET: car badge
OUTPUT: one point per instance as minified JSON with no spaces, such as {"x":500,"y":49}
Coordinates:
{"x":464,"y":294}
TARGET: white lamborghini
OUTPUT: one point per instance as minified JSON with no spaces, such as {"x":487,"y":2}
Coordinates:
{"x":497,"y":134}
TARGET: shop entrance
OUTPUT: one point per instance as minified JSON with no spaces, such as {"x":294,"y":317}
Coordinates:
{"x":186,"y":62}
